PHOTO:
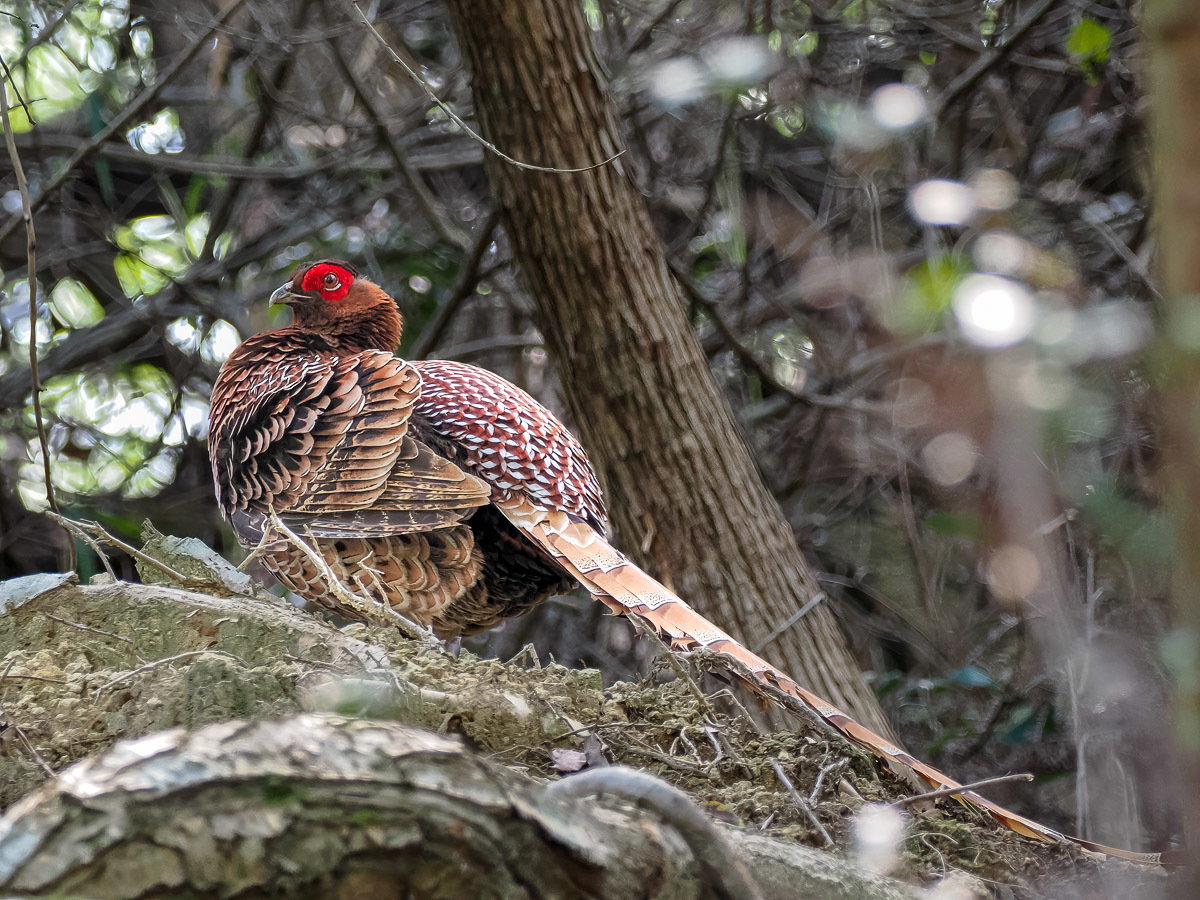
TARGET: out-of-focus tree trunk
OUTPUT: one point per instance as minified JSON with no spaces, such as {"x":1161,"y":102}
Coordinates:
{"x":1173,"y":27}
{"x":688,"y":500}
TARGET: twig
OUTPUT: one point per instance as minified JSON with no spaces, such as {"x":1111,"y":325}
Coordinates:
{"x":986,"y":61}
{"x":456,"y":119}
{"x":162,"y":662}
{"x":468,"y":349}
{"x":801,"y":803}
{"x":120,"y":121}
{"x":258,"y":548}
{"x":40,"y":678}
{"x":92,"y":543}
{"x":961,"y":789}
{"x":82,"y":627}
{"x":790,"y":621}
{"x":815,"y":794}
{"x":98,"y":530}
{"x":448,"y":231}
{"x":379,"y":613}
{"x":31,"y":262}
{"x":24,"y":738}
{"x":21,"y":101}
{"x":468,"y":277}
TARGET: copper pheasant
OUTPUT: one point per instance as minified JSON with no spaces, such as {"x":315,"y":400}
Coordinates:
{"x":440,"y":490}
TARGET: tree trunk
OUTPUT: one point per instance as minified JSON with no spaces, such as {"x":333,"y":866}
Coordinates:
{"x":688,"y":499}
{"x":1173,"y":29}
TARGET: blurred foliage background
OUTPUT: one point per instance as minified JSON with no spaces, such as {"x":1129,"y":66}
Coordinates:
{"x":915,"y":234}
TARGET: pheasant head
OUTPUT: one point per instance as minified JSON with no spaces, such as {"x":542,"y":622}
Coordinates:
{"x":329,"y":298}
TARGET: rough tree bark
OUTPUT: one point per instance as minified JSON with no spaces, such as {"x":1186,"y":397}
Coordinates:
{"x":1173,"y":27}
{"x":688,"y":499}
{"x":311,"y":806}
{"x":319,"y":806}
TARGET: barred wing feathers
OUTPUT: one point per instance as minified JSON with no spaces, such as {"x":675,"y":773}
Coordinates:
{"x":324,"y":440}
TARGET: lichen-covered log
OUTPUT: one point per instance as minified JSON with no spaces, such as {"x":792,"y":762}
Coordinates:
{"x":82,"y":667}
{"x":323,"y":806}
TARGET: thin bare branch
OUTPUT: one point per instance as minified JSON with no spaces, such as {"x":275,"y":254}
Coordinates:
{"x":457,"y":119}
{"x":97,"y":530}
{"x":468,"y":277}
{"x":801,"y":803}
{"x":955,"y":791}
{"x":163,"y":662}
{"x":125,"y":116}
{"x":31,"y":263}
{"x":986,"y":61}
{"x":372,"y":611}
{"x":82,"y":627}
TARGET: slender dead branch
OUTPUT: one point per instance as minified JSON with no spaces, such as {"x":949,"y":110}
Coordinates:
{"x":94,"y":545}
{"x":373,"y":611}
{"x":988,"y":60}
{"x":468,"y":277}
{"x":955,"y":791}
{"x":815,"y":793}
{"x":82,"y":627}
{"x":791,"y":620}
{"x":122,"y":119}
{"x":801,"y":803}
{"x":95,"y":529}
{"x":31,"y":264}
{"x":457,"y":119}
{"x":21,"y":101}
{"x":163,"y":662}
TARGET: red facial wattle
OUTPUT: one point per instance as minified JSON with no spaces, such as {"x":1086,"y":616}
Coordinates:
{"x":331,"y":281}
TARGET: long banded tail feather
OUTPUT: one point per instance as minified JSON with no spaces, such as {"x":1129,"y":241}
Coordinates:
{"x":614,"y":580}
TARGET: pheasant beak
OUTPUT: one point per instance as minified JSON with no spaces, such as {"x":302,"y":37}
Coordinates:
{"x":284,"y":294}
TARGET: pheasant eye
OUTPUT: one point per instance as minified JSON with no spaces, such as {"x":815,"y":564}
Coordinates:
{"x":330,"y":281}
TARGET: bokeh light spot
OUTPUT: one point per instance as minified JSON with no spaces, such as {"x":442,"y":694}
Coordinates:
{"x":950,"y":457}
{"x":676,"y":82}
{"x":995,"y":189}
{"x":898,"y":106}
{"x":993,"y":311}
{"x":877,"y":832}
{"x":942,"y":202}
{"x":1013,"y":572}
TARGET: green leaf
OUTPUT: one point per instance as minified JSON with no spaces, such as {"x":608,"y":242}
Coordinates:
{"x":954,"y":525}
{"x":929,"y":287}
{"x":1088,"y":45}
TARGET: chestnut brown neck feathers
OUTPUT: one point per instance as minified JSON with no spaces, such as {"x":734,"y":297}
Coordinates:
{"x":332,"y":302}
